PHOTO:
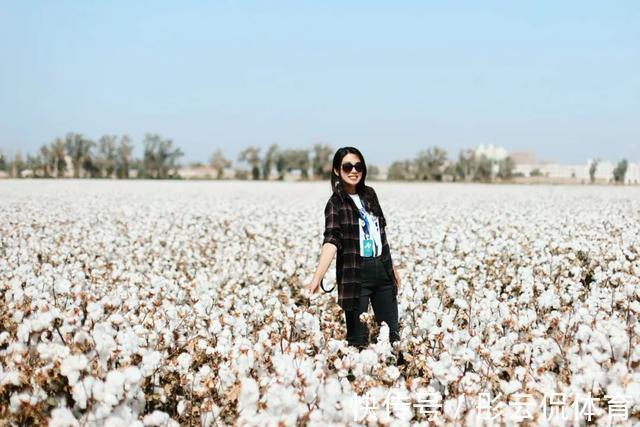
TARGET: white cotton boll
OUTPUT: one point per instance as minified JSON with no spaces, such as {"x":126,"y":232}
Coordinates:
{"x":215,"y":327}
{"x":225,"y":375}
{"x":116,"y":319}
{"x":329,"y":394}
{"x":333,"y":346}
{"x":150,"y":362}
{"x":72,"y":366}
{"x":465,"y":354}
{"x":444,"y":369}
{"x":62,"y":417}
{"x":510,"y":387}
{"x":43,"y":321}
{"x":23,"y":332}
{"x":62,"y":286}
{"x":434,"y":304}
{"x":82,"y":391}
{"x":51,"y":351}
{"x":453,"y":408}
{"x":113,"y":387}
{"x":97,"y":391}
{"x":583,"y":333}
{"x":282,"y":399}
{"x":18,"y":399}
{"x":181,"y":407}
{"x":383,"y":347}
{"x":285,"y":367}
{"x":426,"y":321}
{"x":399,"y":404}
{"x":184,"y":362}
{"x":368,"y":358}
{"x":156,"y":418}
{"x":249,"y":395}
{"x":619,"y":344}
{"x":132,"y":375}
{"x":4,"y":337}
{"x":633,"y":390}
{"x":470,"y":383}
{"x":128,"y":341}
{"x":308,"y":322}
{"x":461,"y":304}
{"x":392,"y":373}
{"x":548,"y":299}
{"x":103,"y":336}
{"x":17,"y":316}
{"x":116,"y":421}
{"x":95,"y":311}
{"x":10,"y":377}
{"x":82,"y":337}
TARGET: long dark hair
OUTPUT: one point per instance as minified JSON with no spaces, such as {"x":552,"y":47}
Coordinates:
{"x":361,"y":188}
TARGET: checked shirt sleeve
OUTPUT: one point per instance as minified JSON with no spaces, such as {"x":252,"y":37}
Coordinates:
{"x":332,"y":230}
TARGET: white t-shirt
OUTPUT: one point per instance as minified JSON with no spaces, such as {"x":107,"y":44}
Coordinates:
{"x":374,"y":229}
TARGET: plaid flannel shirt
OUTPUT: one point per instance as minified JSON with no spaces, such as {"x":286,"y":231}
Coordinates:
{"x":343,"y":230}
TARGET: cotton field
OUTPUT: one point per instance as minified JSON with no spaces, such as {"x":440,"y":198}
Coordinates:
{"x":171,"y":303}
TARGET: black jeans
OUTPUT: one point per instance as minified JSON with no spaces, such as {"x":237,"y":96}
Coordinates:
{"x":377,"y":286}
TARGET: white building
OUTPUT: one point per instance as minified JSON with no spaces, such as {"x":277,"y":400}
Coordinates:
{"x":580,"y":173}
{"x":491,"y":152}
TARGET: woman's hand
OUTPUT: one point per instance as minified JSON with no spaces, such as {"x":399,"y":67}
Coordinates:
{"x":395,"y":273}
{"x":313,"y":286}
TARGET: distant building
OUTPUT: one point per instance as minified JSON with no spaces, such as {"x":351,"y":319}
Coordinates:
{"x":579,"y":173}
{"x":204,"y":172}
{"x":523,"y":157}
{"x":196,"y":172}
{"x":491,"y":151}
{"x":383,"y":173}
{"x":633,"y":174}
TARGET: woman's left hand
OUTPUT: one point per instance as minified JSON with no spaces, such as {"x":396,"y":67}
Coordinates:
{"x":395,"y":273}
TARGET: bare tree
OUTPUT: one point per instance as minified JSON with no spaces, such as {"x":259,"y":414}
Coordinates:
{"x":79,"y":148}
{"x":46,"y":161}
{"x":123,"y":157}
{"x":322,"y":161}
{"x":58,"y":154}
{"x":159,"y":157}
{"x":401,"y":170}
{"x":218,"y":162}
{"x":506,"y":167}
{"x":291,"y":159}
{"x":106,"y":158}
{"x":251,"y":155}
{"x":592,"y":169}
{"x":430,"y":164}
{"x":269,"y":160}
{"x":17,"y":166}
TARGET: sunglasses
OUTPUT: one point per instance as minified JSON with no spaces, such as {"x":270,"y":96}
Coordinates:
{"x":348,"y":167}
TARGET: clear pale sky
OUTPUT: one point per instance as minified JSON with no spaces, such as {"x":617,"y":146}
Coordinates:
{"x":561,"y":78}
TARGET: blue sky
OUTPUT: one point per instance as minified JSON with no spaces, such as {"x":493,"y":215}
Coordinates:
{"x":391,"y":78}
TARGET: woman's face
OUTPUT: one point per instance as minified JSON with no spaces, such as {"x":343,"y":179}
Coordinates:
{"x":353,"y":177}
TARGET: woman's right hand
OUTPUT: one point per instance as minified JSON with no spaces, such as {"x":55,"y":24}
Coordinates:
{"x":313,"y":286}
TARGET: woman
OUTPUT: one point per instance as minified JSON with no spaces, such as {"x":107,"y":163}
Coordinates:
{"x":355,"y":230}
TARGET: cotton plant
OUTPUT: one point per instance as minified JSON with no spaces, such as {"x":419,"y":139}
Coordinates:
{"x":149,"y":305}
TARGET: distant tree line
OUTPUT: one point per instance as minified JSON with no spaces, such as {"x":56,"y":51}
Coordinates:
{"x":108,"y":157}
{"x":111,"y":157}
{"x":433,"y":165}
{"x":276,"y":162}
